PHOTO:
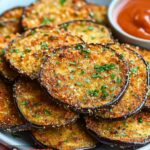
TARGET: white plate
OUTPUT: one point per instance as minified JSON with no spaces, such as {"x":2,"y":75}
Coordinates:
{"x":24,"y":142}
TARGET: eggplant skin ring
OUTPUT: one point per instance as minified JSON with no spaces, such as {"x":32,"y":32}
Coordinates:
{"x":65,"y":138}
{"x":37,"y":109}
{"x":78,"y":77}
{"x":134,"y":131}
{"x":135,"y":96}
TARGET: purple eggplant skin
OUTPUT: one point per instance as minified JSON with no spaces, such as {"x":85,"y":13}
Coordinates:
{"x":30,"y":124}
{"x":88,"y":111}
{"x":142,"y":104}
{"x":115,"y":142}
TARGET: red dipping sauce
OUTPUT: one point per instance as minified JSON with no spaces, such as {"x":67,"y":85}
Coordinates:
{"x":134,"y":17}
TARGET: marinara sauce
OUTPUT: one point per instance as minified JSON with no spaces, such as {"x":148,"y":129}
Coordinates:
{"x":134,"y":17}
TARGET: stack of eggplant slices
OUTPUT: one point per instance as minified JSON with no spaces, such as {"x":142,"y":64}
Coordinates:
{"x":68,"y":82}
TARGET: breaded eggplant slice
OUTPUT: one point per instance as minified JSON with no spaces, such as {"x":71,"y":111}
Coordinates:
{"x":5,"y":70}
{"x":65,"y":138}
{"x":36,"y":107}
{"x":134,"y":131}
{"x":10,"y":22}
{"x":98,"y":13}
{"x":27,"y":52}
{"x":12,"y":14}
{"x":89,"y":31}
{"x":52,"y":12}
{"x":135,"y":96}
{"x":79,"y":76}
{"x":146,"y":55}
{"x":9,"y":117}
{"x":9,"y":27}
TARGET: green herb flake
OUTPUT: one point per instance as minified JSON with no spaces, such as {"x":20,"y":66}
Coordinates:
{"x":121,"y":56}
{"x":2,"y":51}
{"x":65,"y":26}
{"x":44,"y":45}
{"x":58,"y":63}
{"x":83,"y":72}
{"x":118,"y":81}
{"x":25,"y":103}
{"x":47,"y":21}
{"x":93,"y":93}
{"x":113,"y":76}
{"x":79,"y":46}
{"x":72,"y":77}
{"x":96,"y":76}
{"x":62,"y":2}
{"x":14,"y":50}
{"x":47,"y":112}
{"x":90,"y":28}
{"x":73,"y":63}
{"x":87,"y":81}
{"x":140,"y":120}
{"x":78,"y":84}
{"x":28,"y":50}
{"x":86,"y":51}
{"x":134,"y":70}
{"x":104,"y":92}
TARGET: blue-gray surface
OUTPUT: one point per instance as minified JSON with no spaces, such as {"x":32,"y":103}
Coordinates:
{"x":23,"y":142}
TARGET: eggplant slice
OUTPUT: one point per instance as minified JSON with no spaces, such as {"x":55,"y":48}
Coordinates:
{"x":53,"y":12}
{"x":27,"y":52}
{"x":36,"y":107}
{"x":98,"y":13}
{"x":5,"y":70}
{"x":12,"y":15}
{"x":135,"y":131}
{"x":135,"y":96}
{"x":146,"y":55}
{"x":10,"y":22}
{"x":89,"y":31}
{"x":65,"y":138}
{"x":9,"y":117}
{"x":78,"y":77}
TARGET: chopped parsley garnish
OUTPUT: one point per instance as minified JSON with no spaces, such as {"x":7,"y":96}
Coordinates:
{"x":73,"y":63}
{"x":90,"y":28}
{"x":28,"y":50}
{"x":118,"y":81}
{"x":47,"y":112}
{"x":14,"y":50}
{"x":79,"y":47}
{"x":47,"y":21}
{"x":86,"y":51}
{"x":104,"y":91}
{"x":58,"y":63}
{"x":33,"y":32}
{"x":78,"y":83}
{"x":25,"y":103}
{"x":94,"y":93}
{"x":83,"y":72}
{"x":52,"y":38}
{"x":121,"y":56}
{"x":96,"y":76}
{"x":140,"y":120}
{"x":112,"y":76}
{"x":134,"y":70}
{"x":62,"y":2}
{"x":44,"y":45}
{"x":103,"y":68}
{"x":65,"y":26}
{"x":87,"y":81}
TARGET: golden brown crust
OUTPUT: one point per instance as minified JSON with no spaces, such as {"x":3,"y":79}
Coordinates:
{"x":28,"y":51}
{"x":5,"y":69}
{"x":54,"y":12}
{"x":37,"y":108}
{"x":8,"y":113}
{"x":66,"y":138}
{"x":89,"y":31}
{"x":134,"y":130}
{"x":98,"y":13}
{"x":134,"y":97}
{"x":146,"y":55}
{"x":79,"y":76}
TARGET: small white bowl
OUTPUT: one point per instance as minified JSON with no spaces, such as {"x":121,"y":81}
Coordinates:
{"x":120,"y":33}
